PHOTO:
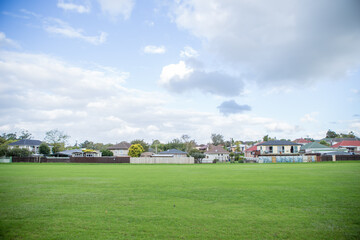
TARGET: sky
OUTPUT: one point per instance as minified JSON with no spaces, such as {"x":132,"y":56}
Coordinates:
{"x":118,"y":70}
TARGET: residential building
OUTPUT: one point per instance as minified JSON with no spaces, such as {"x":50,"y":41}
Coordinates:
{"x":277,"y":147}
{"x":314,"y":147}
{"x":78,"y":153}
{"x":120,"y":149}
{"x":216,"y":152}
{"x":333,"y":141}
{"x":31,"y":145}
{"x":252,"y":152}
{"x":351,"y":146}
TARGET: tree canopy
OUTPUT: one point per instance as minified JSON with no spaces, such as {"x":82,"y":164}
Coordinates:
{"x":217,"y":139}
{"x":135,"y":150}
{"x":44,"y":149}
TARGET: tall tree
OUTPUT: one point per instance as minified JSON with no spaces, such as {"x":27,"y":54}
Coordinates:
{"x":331,"y":134}
{"x":25,"y":134}
{"x":44,"y":149}
{"x":217,"y":139}
{"x":56,"y":138}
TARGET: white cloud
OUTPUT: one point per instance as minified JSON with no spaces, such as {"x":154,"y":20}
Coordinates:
{"x":40,"y":93}
{"x":4,"y":41}
{"x":69,"y":6}
{"x":58,"y":26}
{"x":174,"y":71}
{"x":189,"y":52}
{"x":309,"y":117}
{"x":287,"y":40}
{"x":154,"y":49}
{"x":115,"y":8}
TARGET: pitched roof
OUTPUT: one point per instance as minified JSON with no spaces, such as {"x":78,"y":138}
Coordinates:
{"x":172,"y":151}
{"x":253,"y":148}
{"x":26,"y":142}
{"x":216,"y":149}
{"x":277,"y":143}
{"x":347,"y":144}
{"x":301,"y":140}
{"x":123,"y":145}
{"x":312,"y":145}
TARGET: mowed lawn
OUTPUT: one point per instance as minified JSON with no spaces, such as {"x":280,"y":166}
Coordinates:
{"x":216,"y":201}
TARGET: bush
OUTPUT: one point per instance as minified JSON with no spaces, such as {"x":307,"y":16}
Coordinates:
{"x":19,"y":152}
{"x":107,"y":153}
{"x":215,"y":160}
{"x":44,"y":149}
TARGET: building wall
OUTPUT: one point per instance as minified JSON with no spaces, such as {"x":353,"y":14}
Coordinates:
{"x":279,"y":149}
{"x":221,"y":156}
{"x":120,"y":152}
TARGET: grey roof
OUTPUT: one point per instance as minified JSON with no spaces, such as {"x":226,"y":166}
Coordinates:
{"x":26,"y":142}
{"x":123,"y":145}
{"x":216,"y":149}
{"x":277,"y":143}
{"x":172,"y":151}
{"x":313,"y":145}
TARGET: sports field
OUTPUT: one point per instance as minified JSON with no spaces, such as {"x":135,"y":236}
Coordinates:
{"x":216,"y":201}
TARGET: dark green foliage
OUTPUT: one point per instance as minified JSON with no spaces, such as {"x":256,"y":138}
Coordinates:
{"x":44,"y":149}
{"x":323,"y":142}
{"x":107,"y":153}
{"x":197,"y":155}
{"x":18,"y":152}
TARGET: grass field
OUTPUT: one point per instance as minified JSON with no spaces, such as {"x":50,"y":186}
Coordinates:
{"x":217,"y":201}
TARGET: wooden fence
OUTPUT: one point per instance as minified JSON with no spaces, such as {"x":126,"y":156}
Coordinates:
{"x":72,"y":159}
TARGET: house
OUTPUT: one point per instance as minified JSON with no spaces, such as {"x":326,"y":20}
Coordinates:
{"x":120,"y":149}
{"x":302,"y":141}
{"x":171,"y":153}
{"x":31,"y":145}
{"x":277,"y":147}
{"x":351,"y":146}
{"x":216,"y":152}
{"x":238,"y":148}
{"x":314,"y":147}
{"x":78,"y":153}
{"x":333,"y":141}
{"x":252,"y":151}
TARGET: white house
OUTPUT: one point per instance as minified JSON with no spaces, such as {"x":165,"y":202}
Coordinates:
{"x":31,"y":145}
{"x":216,"y":152}
{"x":120,"y":149}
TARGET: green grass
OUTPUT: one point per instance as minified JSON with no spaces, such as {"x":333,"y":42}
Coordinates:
{"x":217,"y":201}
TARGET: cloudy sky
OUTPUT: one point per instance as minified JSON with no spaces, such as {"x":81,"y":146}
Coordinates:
{"x":114,"y":70}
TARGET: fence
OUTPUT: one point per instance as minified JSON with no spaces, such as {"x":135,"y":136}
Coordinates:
{"x":100,"y":159}
{"x":306,"y":158}
{"x":5,"y":160}
{"x":72,"y":159}
{"x":162,"y":160}
{"x":286,"y":159}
